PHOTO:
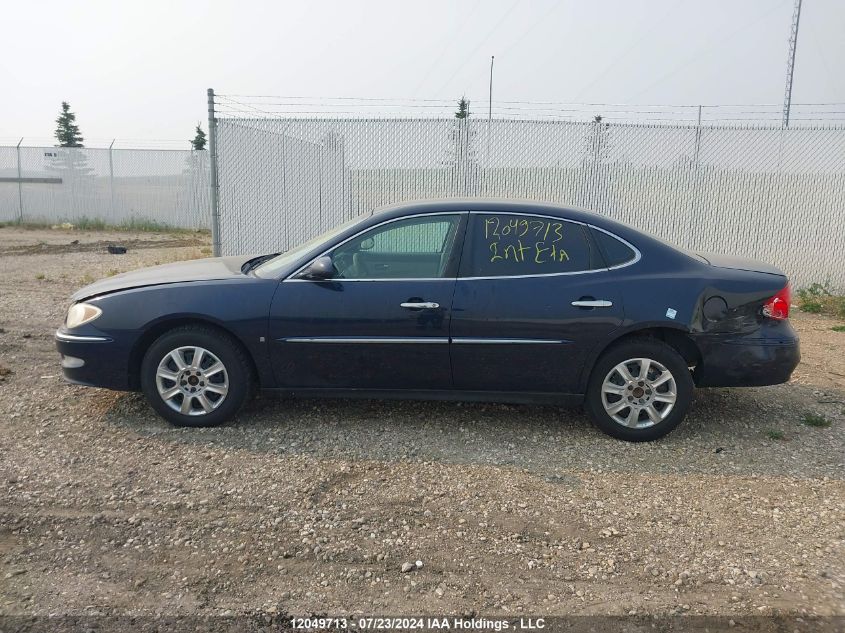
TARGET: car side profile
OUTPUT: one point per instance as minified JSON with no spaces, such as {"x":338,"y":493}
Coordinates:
{"x":459,"y":299}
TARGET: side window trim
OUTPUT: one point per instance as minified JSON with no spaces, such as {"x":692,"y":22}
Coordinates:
{"x":637,"y":254}
{"x":585,"y":227}
{"x":457,"y":247}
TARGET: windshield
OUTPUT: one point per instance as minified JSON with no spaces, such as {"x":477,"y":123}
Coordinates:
{"x":272,"y":267}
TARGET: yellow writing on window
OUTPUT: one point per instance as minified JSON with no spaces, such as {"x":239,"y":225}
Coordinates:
{"x":525,"y":240}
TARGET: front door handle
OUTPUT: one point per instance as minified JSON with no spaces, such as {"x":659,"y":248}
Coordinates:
{"x":592,"y":303}
{"x":419,"y":305}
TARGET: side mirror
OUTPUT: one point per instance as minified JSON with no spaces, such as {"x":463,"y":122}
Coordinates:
{"x":320,"y":268}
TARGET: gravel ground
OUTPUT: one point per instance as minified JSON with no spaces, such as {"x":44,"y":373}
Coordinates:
{"x":314,"y":506}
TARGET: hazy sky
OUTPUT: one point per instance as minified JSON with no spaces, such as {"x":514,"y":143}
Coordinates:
{"x":139,"y":70}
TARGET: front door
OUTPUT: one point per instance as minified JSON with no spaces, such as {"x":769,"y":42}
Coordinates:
{"x":532,"y":300}
{"x":382,"y":321}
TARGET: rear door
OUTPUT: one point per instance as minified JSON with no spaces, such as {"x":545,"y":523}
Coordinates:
{"x":532,"y":299}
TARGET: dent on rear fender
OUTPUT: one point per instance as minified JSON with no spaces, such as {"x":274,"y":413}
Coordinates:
{"x":722,"y":312}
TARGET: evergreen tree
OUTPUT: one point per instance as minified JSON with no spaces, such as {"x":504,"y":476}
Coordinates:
{"x":463,"y":109}
{"x":67,"y":131}
{"x":462,"y":159}
{"x":198,"y":141}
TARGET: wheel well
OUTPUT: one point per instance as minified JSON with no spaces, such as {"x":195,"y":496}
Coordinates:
{"x":136,"y":356}
{"x":676,"y":339}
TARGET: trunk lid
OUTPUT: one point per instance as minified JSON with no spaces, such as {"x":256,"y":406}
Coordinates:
{"x":736,"y":262}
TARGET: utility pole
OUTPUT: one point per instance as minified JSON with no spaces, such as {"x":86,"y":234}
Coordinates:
{"x":790,"y":63}
{"x":490,"y":108}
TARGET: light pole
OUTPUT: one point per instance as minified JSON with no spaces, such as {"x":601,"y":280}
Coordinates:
{"x":490,"y":109}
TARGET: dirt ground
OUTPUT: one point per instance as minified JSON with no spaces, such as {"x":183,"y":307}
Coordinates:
{"x":313,"y":506}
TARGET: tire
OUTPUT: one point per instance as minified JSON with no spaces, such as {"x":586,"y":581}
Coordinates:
{"x":214,"y":394}
{"x":633,"y":412}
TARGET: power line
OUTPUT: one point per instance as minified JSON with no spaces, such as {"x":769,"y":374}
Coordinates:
{"x":709,"y":45}
{"x":627,"y":49}
{"x":481,"y":43}
{"x":443,"y":48}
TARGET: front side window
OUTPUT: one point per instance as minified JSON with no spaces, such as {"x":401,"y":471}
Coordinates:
{"x":505,"y":245}
{"x":271,"y":268}
{"x":413,"y":248}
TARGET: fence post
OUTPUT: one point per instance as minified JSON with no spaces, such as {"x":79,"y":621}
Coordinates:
{"x":697,"y":138}
{"x":111,"y":179}
{"x":212,"y":162}
{"x":20,"y":183}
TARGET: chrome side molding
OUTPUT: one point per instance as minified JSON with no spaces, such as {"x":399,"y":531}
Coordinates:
{"x":364,"y":339}
{"x":506,"y":341}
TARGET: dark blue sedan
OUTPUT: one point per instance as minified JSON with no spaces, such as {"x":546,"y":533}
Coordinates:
{"x":476,"y":299}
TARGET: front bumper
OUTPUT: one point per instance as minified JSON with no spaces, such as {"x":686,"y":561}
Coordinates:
{"x":94,"y":360}
{"x":767,"y":358}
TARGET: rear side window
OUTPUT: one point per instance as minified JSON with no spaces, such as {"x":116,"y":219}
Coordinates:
{"x":505,"y":245}
{"x":614,"y":250}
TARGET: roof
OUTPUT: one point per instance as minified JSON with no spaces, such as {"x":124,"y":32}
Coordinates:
{"x":501,"y":205}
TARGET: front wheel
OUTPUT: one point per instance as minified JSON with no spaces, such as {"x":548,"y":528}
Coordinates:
{"x":196,"y":376}
{"x":639,"y":390}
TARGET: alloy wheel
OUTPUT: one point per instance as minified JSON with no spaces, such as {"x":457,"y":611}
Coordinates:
{"x":192,"y":380}
{"x":639,"y":393}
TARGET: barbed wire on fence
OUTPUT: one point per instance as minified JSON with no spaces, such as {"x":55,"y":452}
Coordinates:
{"x":376,"y":107}
{"x":100,"y":143}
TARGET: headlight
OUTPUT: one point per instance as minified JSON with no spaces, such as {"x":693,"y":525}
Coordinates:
{"x":81,"y":313}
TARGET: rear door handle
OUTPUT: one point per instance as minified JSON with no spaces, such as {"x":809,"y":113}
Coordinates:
{"x":592,"y":303}
{"x":419,"y":305}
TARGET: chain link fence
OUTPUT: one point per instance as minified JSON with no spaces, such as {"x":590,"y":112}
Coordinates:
{"x":770,"y":193}
{"x":113,"y":186}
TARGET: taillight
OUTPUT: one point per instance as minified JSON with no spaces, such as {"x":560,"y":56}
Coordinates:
{"x":778,"y":306}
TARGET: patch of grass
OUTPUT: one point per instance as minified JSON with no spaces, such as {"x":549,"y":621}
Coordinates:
{"x":40,"y":276}
{"x":775,"y":434}
{"x":112,"y":272}
{"x":87,"y":279}
{"x":838,"y":328}
{"x":205,"y":250}
{"x":144,"y":225}
{"x":89,"y":224}
{"x":141,"y":225}
{"x":17,"y":224}
{"x":820,"y":299}
{"x":816,"y":420}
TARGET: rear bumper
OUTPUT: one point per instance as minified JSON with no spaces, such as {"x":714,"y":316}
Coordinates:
{"x":94,"y":360}
{"x":767,"y":358}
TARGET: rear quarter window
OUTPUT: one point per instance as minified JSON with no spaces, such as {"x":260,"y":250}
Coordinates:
{"x":615,"y":251}
{"x":507,"y":245}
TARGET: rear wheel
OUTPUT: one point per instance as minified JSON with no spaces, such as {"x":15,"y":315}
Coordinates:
{"x":196,"y":376}
{"x":639,"y":390}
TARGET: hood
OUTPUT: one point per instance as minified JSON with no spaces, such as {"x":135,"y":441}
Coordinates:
{"x":193,"y":270}
{"x":741,"y":263}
